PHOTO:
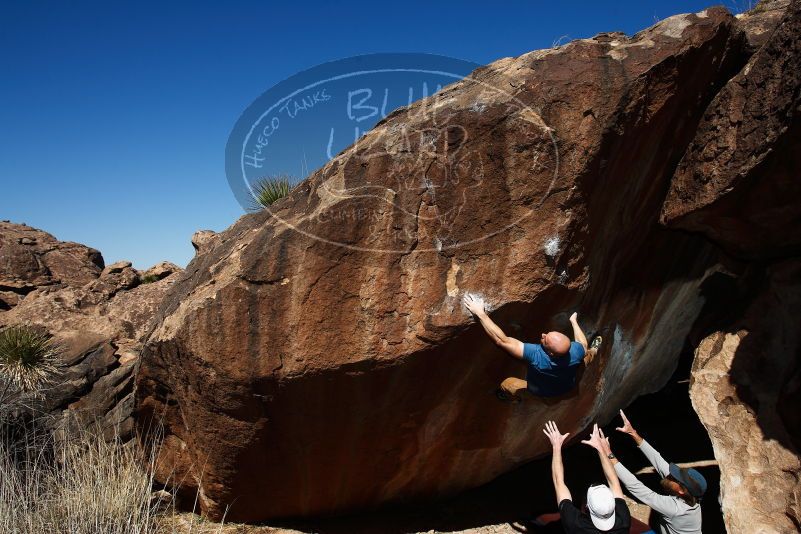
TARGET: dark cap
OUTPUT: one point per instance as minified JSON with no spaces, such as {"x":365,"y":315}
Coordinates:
{"x":690,"y":479}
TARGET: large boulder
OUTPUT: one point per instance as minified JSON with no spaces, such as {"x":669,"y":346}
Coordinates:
{"x":746,"y":389}
{"x":317,"y":358}
{"x":99,"y":314}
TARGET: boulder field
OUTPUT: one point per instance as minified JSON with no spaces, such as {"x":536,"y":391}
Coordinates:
{"x":98,"y":313}
{"x":315,"y":357}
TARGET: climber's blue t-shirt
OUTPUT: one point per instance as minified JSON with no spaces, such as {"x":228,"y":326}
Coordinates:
{"x":551,"y":377}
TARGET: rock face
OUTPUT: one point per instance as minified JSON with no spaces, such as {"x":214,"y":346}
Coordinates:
{"x":98,"y":312}
{"x":746,"y":389}
{"x":317,"y":359}
{"x":738,"y":184}
{"x":759,"y":22}
{"x":750,"y":131}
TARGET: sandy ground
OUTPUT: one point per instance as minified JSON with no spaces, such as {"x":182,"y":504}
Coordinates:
{"x":192,"y":524}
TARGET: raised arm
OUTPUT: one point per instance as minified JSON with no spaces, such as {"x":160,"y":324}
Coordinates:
{"x":578,"y":335}
{"x":600,"y":443}
{"x":557,"y":469}
{"x":660,"y":503}
{"x":656,"y":460}
{"x":667,"y":506}
{"x":509,"y":344}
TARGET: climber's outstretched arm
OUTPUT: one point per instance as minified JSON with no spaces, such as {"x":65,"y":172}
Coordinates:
{"x":509,"y":344}
{"x":578,"y":335}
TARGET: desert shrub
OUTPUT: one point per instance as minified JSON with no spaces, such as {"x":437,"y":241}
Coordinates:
{"x":148,"y":279}
{"x":269,"y":189}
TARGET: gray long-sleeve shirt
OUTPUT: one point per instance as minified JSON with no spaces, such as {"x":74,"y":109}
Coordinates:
{"x":675,"y":515}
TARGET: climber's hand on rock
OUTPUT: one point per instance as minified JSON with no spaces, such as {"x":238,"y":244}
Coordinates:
{"x":595,"y":441}
{"x":473,"y":304}
{"x":556,"y":438}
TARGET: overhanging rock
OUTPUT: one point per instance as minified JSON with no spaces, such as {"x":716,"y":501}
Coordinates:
{"x":313,"y":362}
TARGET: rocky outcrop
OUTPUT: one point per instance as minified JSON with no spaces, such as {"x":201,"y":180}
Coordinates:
{"x":31,"y":258}
{"x":760,"y":21}
{"x":203,"y":240}
{"x":317,"y":358}
{"x":99,"y":313}
{"x":738,"y":183}
{"x":746,"y":389}
{"x":160,"y":271}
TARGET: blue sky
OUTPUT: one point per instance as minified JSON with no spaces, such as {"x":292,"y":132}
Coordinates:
{"x":114,"y":116}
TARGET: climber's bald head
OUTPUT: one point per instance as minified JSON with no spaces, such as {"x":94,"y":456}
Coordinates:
{"x":555,"y":343}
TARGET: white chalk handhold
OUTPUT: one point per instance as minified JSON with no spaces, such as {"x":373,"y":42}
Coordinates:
{"x":479,"y":299}
{"x":552,"y":246}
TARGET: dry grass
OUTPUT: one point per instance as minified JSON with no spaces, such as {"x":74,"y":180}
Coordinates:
{"x":67,"y":481}
{"x":82,"y":485}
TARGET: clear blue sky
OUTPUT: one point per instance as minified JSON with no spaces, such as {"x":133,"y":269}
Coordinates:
{"x":114,"y":116}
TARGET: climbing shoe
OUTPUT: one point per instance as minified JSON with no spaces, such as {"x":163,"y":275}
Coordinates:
{"x":503,"y":396}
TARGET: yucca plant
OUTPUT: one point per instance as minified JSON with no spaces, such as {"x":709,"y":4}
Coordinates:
{"x":268,"y":189}
{"x":29,"y":360}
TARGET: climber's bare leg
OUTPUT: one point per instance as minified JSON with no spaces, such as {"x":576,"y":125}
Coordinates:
{"x":593,"y":350}
{"x":590,"y":355}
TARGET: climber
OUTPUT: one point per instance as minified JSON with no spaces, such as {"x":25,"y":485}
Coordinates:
{"x":552,"y":363}
{"x":679,"y":512}
{"x":606,"y":509}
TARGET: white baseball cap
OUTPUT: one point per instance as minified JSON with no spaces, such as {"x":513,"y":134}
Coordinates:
{"x":601,"y":504}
